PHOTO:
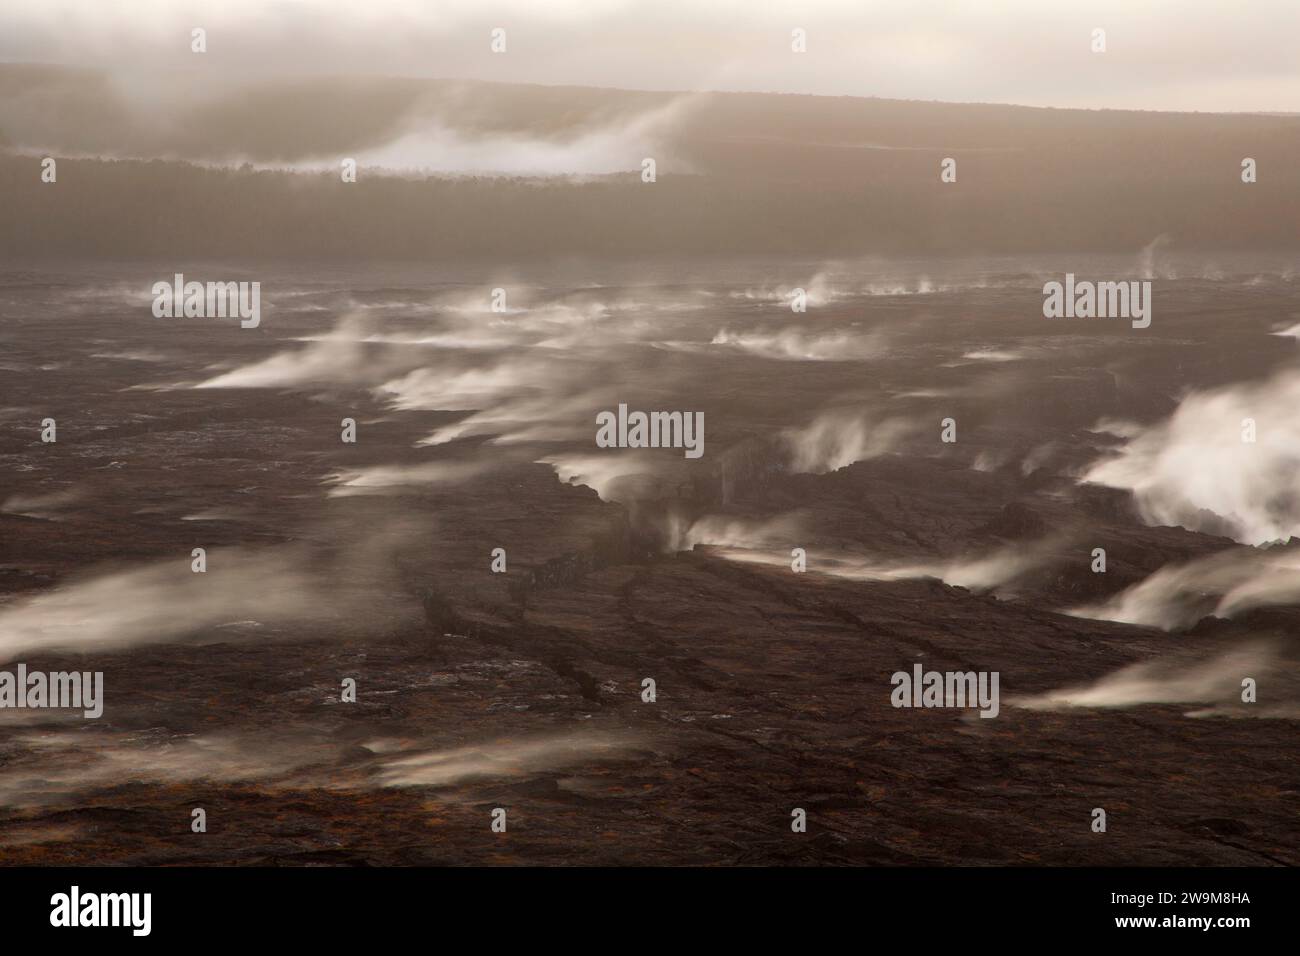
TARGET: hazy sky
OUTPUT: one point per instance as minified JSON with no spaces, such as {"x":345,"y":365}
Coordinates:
{"x":1161,"y":54}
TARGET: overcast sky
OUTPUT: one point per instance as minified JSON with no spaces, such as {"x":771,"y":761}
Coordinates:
{"x":1207,"y":55}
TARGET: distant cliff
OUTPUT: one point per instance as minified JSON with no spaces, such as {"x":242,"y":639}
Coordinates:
{"x":736,"y":174}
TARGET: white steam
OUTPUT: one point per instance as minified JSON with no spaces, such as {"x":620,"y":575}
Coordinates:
{"x":1217,"y":682}
{"x":836,"y":439}
{"x":1221,"y":585}
{"x":1198,"y":470}
{"x":799,"y":345}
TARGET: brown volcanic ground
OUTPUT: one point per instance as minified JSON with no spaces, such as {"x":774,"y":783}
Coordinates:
{"x":522,"y":690}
